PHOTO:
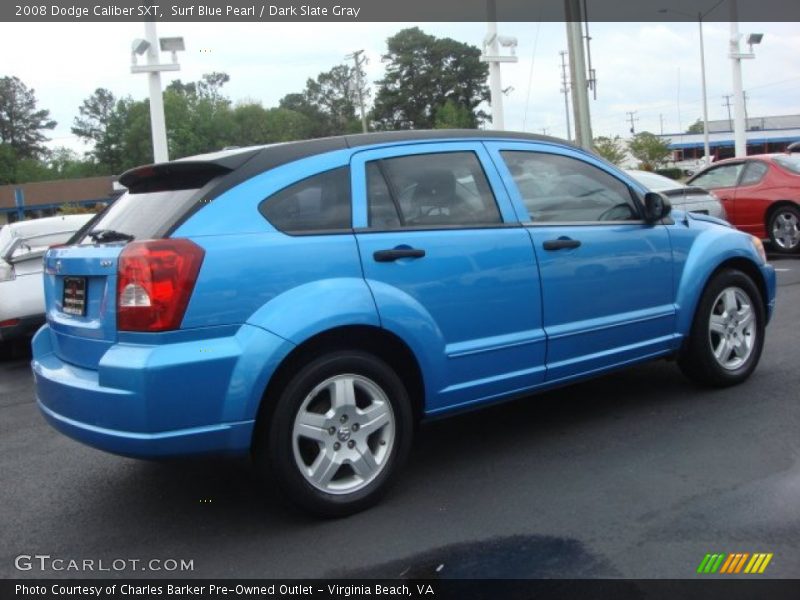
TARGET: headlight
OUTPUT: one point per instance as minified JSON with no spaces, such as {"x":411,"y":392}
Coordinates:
{"x":6,"y":271}
{"x":759,"y":246}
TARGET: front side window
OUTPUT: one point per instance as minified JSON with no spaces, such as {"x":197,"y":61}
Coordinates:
{"x":753,"y":172}
{"x":557,"y":188}
{"x":318,"y":203}
{"x":723,"y":176}
{"x":429,"y":190}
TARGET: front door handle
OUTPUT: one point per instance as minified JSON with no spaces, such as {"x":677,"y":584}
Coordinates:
{"x":397,"y":253}
{"x":561,"y":244}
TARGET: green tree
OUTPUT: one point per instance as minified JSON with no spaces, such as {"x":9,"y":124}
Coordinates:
{"x":63,"y":163}
{"x":21,"y":123}
{"x":101,"y":121}
{"x":423,"y":73}
{"x":198,"y":115}
{"x":253,"y":125}
{"x":327,"y":102}
{"x":610,"y":148}
{"x":650,"y":150}
{"x":696,"y":127}
{"x":453,"y":116}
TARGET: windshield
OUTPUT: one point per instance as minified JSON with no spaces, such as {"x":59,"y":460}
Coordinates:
{"x":790,"y":163}
{"x":142,"y":216}
{"x":655,"y":182}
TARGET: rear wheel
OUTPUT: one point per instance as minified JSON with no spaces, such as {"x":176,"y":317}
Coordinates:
{"x":727,"y":334}
{"x":784,"y":229}
{"x":340,"y":431}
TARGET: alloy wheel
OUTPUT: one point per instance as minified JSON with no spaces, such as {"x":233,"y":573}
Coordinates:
{"x":343,"y":434}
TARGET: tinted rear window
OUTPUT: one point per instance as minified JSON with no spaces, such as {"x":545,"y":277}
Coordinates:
{"x":145,"y":216}
{"x":318,"y":203}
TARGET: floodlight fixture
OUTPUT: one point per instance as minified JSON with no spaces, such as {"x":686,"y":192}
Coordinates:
{"x":171,"y":44}
{"x":139,"y":46}
{"x":754,"y":38}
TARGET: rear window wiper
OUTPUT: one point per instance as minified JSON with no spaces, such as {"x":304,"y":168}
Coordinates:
{"x":109,"y":235}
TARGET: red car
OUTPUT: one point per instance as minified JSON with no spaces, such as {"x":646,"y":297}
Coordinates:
{"x":761,"y":194}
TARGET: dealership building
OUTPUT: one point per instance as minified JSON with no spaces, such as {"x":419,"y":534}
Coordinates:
{"x":45,"y":198}
{"x":764,"y":135}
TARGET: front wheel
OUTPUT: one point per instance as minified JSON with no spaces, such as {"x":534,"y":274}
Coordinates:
{"x":340,"y":431}
{"x":727,"y":334}
{"x":784,"y":229}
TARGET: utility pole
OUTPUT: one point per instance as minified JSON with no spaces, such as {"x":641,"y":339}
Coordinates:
{"x":592,"y":81}
{"x":631,"y":114}
{"x":577,"y":67}
{"x":565,"y":90}
{"x":358,"y":61}
{"x":728,"y":106}
{"x":661,"y":123}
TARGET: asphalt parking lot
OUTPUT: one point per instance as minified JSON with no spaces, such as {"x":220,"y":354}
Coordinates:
{"x":638,"y":474}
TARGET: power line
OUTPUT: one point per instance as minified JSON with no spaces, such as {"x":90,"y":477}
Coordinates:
{"x":530,"y":77}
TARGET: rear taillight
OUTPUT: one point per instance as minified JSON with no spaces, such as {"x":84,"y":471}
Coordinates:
{"x":155,"y":280}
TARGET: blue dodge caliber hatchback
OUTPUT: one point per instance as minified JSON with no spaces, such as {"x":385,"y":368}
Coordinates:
{"x":310,"y":302}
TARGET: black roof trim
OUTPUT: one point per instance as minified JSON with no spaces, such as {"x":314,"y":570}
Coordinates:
{"x":249,"y":162}
{"x":241,"y":165}
{"x":412,"y":135}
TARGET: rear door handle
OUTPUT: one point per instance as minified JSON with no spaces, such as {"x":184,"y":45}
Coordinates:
{"x":397,"y":253}
{"x":561,"y":244}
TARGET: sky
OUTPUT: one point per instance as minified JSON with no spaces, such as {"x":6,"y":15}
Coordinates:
{"x":651,"y":68}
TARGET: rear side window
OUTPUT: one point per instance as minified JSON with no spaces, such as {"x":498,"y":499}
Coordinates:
{"x":789,"y":162}
{"x":754,"y":172}
{"x":719,"y":177}
{"x":319,"y":203}
{"x":428,"y":190}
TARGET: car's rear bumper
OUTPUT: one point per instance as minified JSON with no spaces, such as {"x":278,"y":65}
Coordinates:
{"x":21,"y":328}
{"x":167,"y":400}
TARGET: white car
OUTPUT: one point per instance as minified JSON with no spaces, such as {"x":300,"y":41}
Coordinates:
{"x":22,"y":246}
{"x":683,"y":197}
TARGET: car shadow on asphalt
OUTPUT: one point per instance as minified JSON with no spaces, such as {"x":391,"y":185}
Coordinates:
{"x":210,"y":490}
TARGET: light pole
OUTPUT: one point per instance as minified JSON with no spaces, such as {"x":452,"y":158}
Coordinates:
{"x":491,"y":54}
{"x":700,"y":17}
{"x":736,"y":56}
{"x":150,"y":45}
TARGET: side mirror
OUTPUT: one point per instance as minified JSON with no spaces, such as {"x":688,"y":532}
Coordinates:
{"x":656,"y":207}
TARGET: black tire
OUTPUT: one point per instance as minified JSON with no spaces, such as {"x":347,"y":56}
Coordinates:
{"x":274,"y":445}
{"x":697,"y":360}
{"x":784,"y":211}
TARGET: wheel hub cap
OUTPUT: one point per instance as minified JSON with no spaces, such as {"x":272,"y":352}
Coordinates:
{"x":786,"y":231}
{"x":732,"y":328}
{"x":343,"y":434}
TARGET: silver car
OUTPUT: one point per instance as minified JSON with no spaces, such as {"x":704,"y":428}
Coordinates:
{"x":683,"y":197}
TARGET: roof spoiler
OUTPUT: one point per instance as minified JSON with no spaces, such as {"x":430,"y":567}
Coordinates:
{"x":179,"y":175}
